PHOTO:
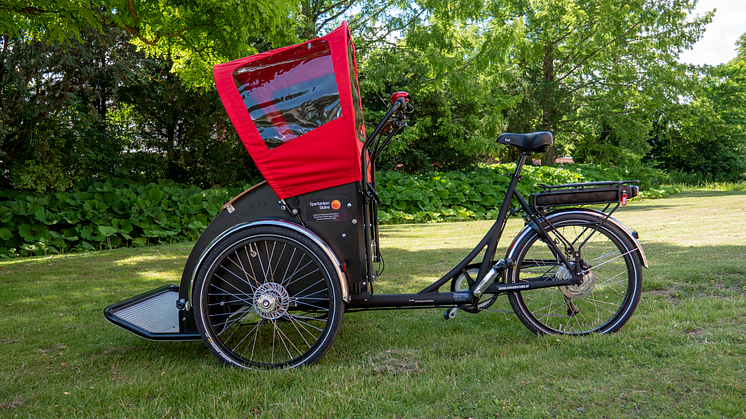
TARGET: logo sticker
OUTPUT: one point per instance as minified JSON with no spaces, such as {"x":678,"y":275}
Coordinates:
{"x":461,"y":296}
{"x":326,"y":209}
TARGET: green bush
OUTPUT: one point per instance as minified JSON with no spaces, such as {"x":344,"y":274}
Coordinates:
{"x":649,"y":177}
{"x":114,"y":213}
{"x":457,"y":196}
{"x":96,"y":215}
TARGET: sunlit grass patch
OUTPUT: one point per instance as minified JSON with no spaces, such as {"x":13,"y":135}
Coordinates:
{"x":681,"y":355}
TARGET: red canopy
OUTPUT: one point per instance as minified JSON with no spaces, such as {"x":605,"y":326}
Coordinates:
{"x":297,"y":110}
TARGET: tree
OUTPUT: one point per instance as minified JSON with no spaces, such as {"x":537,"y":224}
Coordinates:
{"x":180,"y":133}
{"x":587,"y":70}
{"x":64,"y":62}
{"x":195,"y":34}
{"x":68,"y":112}
{"x":741,"y":48}
{"x":458,"y":107}
{"x":706,"y":135}
{"x":54,"y":105}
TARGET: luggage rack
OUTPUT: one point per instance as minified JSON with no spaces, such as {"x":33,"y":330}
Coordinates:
{"x":587,"y":184}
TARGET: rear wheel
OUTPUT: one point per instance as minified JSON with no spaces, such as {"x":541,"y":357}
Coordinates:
{"x":611,"y":286}
{"x":268,"y":297}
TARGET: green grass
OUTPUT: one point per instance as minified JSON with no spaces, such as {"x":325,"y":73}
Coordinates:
{"x":683,"y":354}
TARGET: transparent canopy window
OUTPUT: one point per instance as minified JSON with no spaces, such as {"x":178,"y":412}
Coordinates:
{"x":359,"y":125}
{"x":290,"y":93}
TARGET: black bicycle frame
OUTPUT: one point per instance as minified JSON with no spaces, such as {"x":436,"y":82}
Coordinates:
{"x":431,"y":297}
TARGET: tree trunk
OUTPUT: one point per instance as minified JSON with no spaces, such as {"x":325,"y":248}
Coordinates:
{"x":547,"y":115}
{"x":549,"y":157}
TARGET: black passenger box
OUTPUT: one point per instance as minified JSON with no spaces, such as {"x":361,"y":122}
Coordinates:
{"x":571,"y":194}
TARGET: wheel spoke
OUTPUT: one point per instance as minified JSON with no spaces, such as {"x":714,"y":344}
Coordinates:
{"x":240,"y":266}
{"x":291,"y":281}
{"x":294,"y":320}
{"x":246,"y":301}
{"x":248,"y":257}
{"x":269,"y":273}
{"x":287,"y":267}
{"x":282,"y":337}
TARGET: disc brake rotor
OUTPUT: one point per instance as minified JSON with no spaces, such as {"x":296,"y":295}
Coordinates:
{"x":271,"y":301}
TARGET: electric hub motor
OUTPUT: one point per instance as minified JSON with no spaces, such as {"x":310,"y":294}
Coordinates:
{"x":581,"y":290}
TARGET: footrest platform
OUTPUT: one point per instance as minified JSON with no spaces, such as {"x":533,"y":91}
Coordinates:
{"x":152,"y":315}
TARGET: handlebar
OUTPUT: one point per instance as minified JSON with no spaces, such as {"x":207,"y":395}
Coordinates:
{"x":400,"y":103}
{"x":408,"y":108}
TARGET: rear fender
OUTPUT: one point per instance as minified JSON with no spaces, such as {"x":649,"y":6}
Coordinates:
{"x":528,"y":229}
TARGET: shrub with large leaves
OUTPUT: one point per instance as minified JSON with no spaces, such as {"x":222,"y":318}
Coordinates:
{"x":114,"y":213}
{"x":97,"y":215}
{"x":478,"y":194}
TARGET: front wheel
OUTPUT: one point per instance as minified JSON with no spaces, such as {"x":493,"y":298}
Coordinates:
{"x":268,"y":297}
{"x":612,"y":282}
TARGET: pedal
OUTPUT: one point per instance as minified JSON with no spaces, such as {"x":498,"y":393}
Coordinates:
{"x":451,"y":313}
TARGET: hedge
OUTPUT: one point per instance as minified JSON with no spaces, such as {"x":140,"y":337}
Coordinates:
{"x":96,"y":215}
{"x":459,"y":196}
{"x":113,"y":213}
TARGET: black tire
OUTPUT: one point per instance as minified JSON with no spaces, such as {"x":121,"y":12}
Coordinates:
{"x":268,"y":297}
{"x":609,"y":293}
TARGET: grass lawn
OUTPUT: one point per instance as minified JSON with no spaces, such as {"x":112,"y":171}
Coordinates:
{"x":683,"y":353}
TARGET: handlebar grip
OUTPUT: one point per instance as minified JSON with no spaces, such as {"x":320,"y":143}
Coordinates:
{"x":402,"y":99}
{"x":403,"y":105}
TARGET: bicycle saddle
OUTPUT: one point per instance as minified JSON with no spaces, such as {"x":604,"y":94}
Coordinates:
{"x":535,"y":141}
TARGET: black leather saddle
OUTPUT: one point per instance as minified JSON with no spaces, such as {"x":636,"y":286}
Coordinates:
{"x":532,"y":142}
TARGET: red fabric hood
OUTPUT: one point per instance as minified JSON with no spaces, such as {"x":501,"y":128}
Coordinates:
{"x":297,"y":110}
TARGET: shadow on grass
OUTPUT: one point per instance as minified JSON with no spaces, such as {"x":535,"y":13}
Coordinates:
{"x":704,"y":193}
{"x":686,"y":270}
{"x":695,"y":271}
{"x":61,"y":299}
{"x":662,"y":204}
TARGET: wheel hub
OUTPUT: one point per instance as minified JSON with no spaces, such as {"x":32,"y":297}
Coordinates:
{"x":581,"y":290}
{"x":271,"y":300}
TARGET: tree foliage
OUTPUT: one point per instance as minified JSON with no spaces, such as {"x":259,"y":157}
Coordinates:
{"x":109,"y":87}
{"x":592,"y":71}
{"x":706,"y":135}
{"x":179,"y":133}
{"x":54,"y":105}
{"x":70,"y":112}
{"x":456,"y":117}
{"x":195,"y":34}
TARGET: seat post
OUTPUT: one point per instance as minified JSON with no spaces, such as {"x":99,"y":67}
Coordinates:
{"x":520,"y":163}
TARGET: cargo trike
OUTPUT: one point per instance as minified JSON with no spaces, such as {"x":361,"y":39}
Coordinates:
{"x":269,"y":280}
